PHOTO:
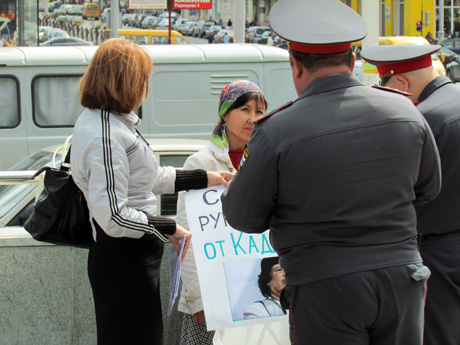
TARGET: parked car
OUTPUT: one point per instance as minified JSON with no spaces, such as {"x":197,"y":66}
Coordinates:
{"x":149,"y":22}
{"x":105,"y":15}
{"x":452,"y":44}
{"x":265,"y":35}
{"x":66,"y":41}
{"x":125,"y":18}
{"x":190,"y":28}
{"x":75,"y":10}
{"x":17,"y":188}
{"x":136,"y":22}
{"x":66,"y":8}
{"x":255,"y":33}
{"x":181,"y":27}
{"x":42,"y":32}
{"x":53,"y":33}
{"x":446,"y":55}
{"x":133,"y":19}
{"x":200,"y":29}
{"x":212,"y":30}
{"x":219,"y":37}
{"x":165,"y":14}
{"x":163,"y":24}
{"x":179,"y":23}
{"x":453,"y":70}
{"x":59,"y":12}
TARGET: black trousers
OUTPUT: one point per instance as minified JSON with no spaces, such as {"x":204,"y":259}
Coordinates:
{"x":378,"y":307}
{"x":124,"y":276}
{"x":442,"y":310}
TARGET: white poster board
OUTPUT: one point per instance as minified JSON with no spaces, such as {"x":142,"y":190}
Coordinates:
{"x":228,"y":262}
{"x":147,"y":4}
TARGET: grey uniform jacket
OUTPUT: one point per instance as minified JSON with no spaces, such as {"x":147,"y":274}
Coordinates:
{"x":335,"y":176}
{"x":440,"y":105}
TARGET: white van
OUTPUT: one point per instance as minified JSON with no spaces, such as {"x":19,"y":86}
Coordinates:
{"x":40,"y":101}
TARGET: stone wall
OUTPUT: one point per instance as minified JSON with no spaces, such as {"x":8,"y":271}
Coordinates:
{"x":45,"y":295}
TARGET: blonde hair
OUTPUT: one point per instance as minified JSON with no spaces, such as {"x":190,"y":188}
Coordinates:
{"x":117,"y":77}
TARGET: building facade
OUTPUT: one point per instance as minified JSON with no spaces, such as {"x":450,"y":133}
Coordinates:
{"x":18,"y":23}
{"x":441,"y":18}
{"x":396,"y":17}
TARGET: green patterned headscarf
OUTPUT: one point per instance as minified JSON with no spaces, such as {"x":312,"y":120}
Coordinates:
{"x":228,"y":96}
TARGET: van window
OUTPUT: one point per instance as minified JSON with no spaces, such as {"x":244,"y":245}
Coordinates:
{"x":260,"y":31}
{"x":160,"y":40}
{"x":139,"y":39}
{"x":180,"y":40}
{"x":9,"y":99}
{"x":56,"y":100}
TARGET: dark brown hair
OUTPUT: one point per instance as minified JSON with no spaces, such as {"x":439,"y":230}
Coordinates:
{"x":265,"y":275}
{"x":117,"y":77}
{"x":313,"y":62}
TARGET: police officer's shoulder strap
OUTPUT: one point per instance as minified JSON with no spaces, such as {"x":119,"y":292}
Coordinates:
{"x":274,"y":111}
{"x":389,"y":89}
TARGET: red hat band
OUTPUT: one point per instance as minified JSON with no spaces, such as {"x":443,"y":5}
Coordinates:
{"x":386,"y":71}
{"x":320,"y":49}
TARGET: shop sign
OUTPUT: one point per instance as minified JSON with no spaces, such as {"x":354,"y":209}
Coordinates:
{"x":193,"y":4}
{"x":147,"y":4}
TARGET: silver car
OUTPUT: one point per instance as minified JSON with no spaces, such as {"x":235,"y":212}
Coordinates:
{"x":75,"y":10}
{"x":149,"y":22}
{"x":18,"y":188}
{"x":213,"y":29}
{"x":453,"y":70}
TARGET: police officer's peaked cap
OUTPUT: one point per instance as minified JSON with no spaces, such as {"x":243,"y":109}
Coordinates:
{"x":397,"y":59}
{"x":317,"y":26}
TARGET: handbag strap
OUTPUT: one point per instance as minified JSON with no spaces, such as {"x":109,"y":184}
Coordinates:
{"x":40,"y":171}
{"x":65,"y":166}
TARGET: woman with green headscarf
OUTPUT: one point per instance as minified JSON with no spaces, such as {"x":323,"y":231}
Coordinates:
{"x":240,"y":104}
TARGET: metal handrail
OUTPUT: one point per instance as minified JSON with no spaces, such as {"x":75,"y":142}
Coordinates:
{"x":18,"y":177}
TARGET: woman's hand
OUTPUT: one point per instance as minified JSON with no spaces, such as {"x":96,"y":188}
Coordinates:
{"x":178,"y":237}
{"x":219,"y":177}
{"x":199,"y":318}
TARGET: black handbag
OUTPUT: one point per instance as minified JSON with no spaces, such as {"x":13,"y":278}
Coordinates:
{"x":60,"y":213}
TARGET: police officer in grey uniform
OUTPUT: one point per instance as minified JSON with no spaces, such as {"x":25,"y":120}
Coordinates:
{"x":409,"y":68}
{"x":335,"y":176}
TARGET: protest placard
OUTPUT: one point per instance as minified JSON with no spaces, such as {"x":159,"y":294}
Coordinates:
{"x":228,"y":263}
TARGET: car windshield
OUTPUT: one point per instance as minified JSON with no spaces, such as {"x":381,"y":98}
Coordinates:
{"x":11,"y":195}
{"x":262,"y":30}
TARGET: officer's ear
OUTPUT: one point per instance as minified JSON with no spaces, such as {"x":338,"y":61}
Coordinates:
{"x":297,"y":67}
{"x":353,"y":60}
{"x":403,"y":82}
